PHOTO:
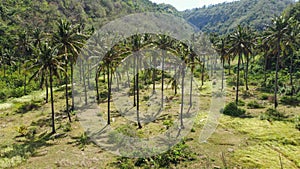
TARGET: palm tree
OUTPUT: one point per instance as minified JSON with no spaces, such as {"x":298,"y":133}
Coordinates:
{"x":136,"y":47}
{"x":222,"y":49}
{"x":23,"y":52}
{"x":239,"y":45}
{"x":276,"y":34}
{"x":291,"y":46}
{"x":47,"y":64}
{"x":69,"y":41}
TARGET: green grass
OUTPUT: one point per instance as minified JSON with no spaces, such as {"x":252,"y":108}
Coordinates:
{"x":245,"y":142}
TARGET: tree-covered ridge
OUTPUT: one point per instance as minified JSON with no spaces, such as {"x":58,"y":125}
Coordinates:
{"x":41,"y":13}
{"x":223,"y":18}
{"x":17,"y":16}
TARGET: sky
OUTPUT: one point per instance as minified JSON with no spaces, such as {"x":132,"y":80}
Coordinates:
{"x":190,"y":4}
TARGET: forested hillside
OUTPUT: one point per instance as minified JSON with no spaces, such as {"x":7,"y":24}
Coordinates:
{"x":223,"y":18}
{"x":26,"y":14}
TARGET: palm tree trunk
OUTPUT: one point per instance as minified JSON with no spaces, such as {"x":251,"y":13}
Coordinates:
{"x":109,"y":93}
{"x":154,"y":75}
{"x":134,"y":82}
{"x":128,"y":80}
{"x":202,"y":72}
{"x":138,"y":93}
{"x":52,"y":101}
{"x":80,"y":72}
{"x":229,"y":64}
{"x":97,"y":87}
{"x":162,"y":79}
{"x":238,"y":80}
{"x":223,"y":72}
{"x":246,"y":72}
{"x":84,"y":84}
{"x":66,"y":90}
{"x":46,"y":85}
{"x":89,"y":75}
{"x":175,"y":81}
{"x":211,"y":66}
{"x":276,"y":75}
{"x":191,"y":82}
{"x":182,"y":98}
{"x":291,"y":76}
{"x":24,"y":84}
{"x":117,"y":78}
{"x":72,"y":84}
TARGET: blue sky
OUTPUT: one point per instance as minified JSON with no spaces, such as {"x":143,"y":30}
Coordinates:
{"x":189,"y":4}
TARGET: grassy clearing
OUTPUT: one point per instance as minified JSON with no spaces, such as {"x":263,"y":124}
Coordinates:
{"x":247,"y":142}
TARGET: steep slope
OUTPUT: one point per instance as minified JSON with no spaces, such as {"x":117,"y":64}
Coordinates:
{"x":222,"y":18}
{"x":26,"y":15}
{"x":42,"y":13}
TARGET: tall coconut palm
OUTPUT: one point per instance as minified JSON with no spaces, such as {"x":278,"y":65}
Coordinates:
{"x":276,"y":34}
{"x":48,"y":64}
{"x":23,"y":52}
{"x":136,"y":47}
{"x":69,"y":41}
{"x":239,"y":45}
{"x":291,"y":46}
{"x":222,"y":49}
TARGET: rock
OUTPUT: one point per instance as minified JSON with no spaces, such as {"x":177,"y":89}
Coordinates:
{"x":231,"y":150}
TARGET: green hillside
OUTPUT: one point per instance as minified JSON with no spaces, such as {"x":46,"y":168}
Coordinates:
{"x":223,"y":18}
{"x":26,"y":14}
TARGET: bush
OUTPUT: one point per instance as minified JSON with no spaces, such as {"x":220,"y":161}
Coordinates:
{"x":2,"y":96}
{"x":232,"y":81}
{"x":18,"y":92}
{"x":264,"y":97}
{"x":27,"y":107}
{"x":254,"y":105}
{"x":290,"y":100}
{"x":241,"y":103}
{"x":231,"y":109}
{"x":180,"y":152}
{"x":273,"y":114}
{"x":67,"y":127}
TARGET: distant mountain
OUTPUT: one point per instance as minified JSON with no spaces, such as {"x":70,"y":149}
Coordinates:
{"x":223,"y":18}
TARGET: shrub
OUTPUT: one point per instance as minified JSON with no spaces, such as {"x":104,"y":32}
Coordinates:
{"x":27,"y":107}
{"x":264,"y":97}
{"x":241,"y":103}
{"x":178,"y":153}
{"x":290,"y":100}
{"x":67,"y":127}
{"x":254,"y":105}
{"x":231,"y":109}
{"x":18,"y":92}
{"x":272,"y":114}
{"x":2,"y":96}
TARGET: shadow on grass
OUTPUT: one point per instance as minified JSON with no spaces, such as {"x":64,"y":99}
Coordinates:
{"x":28,"y":107}
{"x":27,"y":147}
